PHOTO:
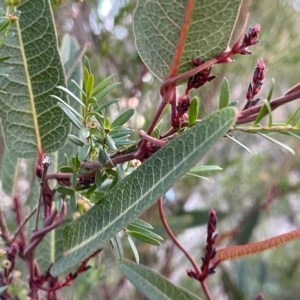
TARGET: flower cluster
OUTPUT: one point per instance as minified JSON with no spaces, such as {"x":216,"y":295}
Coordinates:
{"x":257,"y":82}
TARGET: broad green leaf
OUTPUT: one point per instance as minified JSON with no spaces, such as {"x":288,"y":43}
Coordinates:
{"x":158,"y":24}
{"x":9,"y":172}
{"x":151,"y":284}
{"x":139,"y":190}
{"x":31,"y":120}
{"x":224,"y":93}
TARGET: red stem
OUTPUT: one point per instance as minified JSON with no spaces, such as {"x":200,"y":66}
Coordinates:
{"x":173,"y":237}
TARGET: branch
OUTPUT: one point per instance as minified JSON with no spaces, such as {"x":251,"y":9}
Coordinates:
{"x":4,"y":231}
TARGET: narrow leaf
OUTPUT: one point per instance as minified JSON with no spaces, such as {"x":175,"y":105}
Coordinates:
{"x":108,"y":103}
{"x":84,"y":152}
{"x":31,"y":120}
{"x":118,"y":208}
{"x":106,"y":90}
{"x":143,"y":237}
{"x":70,"y":115}
{"x":278,"y":143}
{"x":224,"y":93}
{"x":193,"y":111}
{"x":151,"y":284}
{"x":102,"y":84}
{"x":141,"y":223}
{"x":65,"y":190}
{"x":199,"y":169}
{"x":122,"y":118}
{"x":239,"y":143}
{"x":133,"y":248}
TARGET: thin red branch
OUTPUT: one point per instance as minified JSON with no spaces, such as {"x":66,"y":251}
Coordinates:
{"x":174,"y":238}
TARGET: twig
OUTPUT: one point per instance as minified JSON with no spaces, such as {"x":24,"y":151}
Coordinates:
{"x":4,"y":231}
{"x":173,"y":237}
{"x":45,"y":163}
{"x":23,"y":224}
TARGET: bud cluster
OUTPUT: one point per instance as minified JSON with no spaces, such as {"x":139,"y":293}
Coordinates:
{"x":257,"y":82}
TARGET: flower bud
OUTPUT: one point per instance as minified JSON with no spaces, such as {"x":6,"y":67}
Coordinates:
{"x":12,"y":2}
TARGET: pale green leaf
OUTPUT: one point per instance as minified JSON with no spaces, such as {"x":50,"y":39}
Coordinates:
{"x":237,"y":142}
{"x":200,"y":169}
{"x":133,"y":248}
{"x":151,"y":284}
{"x":278,"y":143}
{"x":224,"y":93}
{"x":31,"y":120}
{"x":139,"y":190}
{"x":158,"y":24}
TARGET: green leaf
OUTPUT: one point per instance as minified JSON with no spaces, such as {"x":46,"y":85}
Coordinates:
{"x":119,"y":246}
{"x":141,"y":223}
{"x":102,"y":84}
{"x":9,"y":172}
{"x":110,"y":143}
{"x":193,"y":111}
{"x":200,"y":169}
{"x":77,"y":141}
{"x":151,"y":284}
{"x":144,"y":231}
{"x":158,"y":24}
{"x":65,"y":190}
{"x":139,"y":190}
{"x":84,"y":152}
{"x":31,"y":120}
{"x":133,"y":248}
{"x":278,"y":143}
{"x":237,"y":142}
{"x":122,"y":118}
{"x":108,"y":103}
{"x":144,"y":237}
{"x":106,"y":90}
{"x":233,"y":103}
{"x":70,"y":115}
{"x":66,"y":169}
{"x":71,"y":94}
{"x":73,"y":202}
{"x":98,"y":179}
{"x":102,"y":157}
{"x":224,"y":93}
{"x":73,"y":180}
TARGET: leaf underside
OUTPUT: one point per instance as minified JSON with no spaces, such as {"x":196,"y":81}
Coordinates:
{"x":151,"y":284}
{"x":31,"y":120}
{"x":157,"y":26}
{"x":135,"y":193}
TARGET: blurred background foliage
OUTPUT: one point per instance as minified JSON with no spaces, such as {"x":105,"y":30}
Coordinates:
{"x":255,"y":196}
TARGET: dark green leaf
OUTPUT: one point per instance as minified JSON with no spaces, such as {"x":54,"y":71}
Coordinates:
{"x":108,"y":103}
{"x":102,"y":84}
{"x":65,"y":190}
{"x":73,"y":180}
{"x":102,"y":157}
{"x":73,"y":202}
{"x":66,"y":169}
{"x":98,"y":179}
{"x":110,"y":143}
{"x":141,"y":223}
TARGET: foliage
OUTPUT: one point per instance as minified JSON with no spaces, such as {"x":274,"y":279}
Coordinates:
{"x":96,"y":172}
